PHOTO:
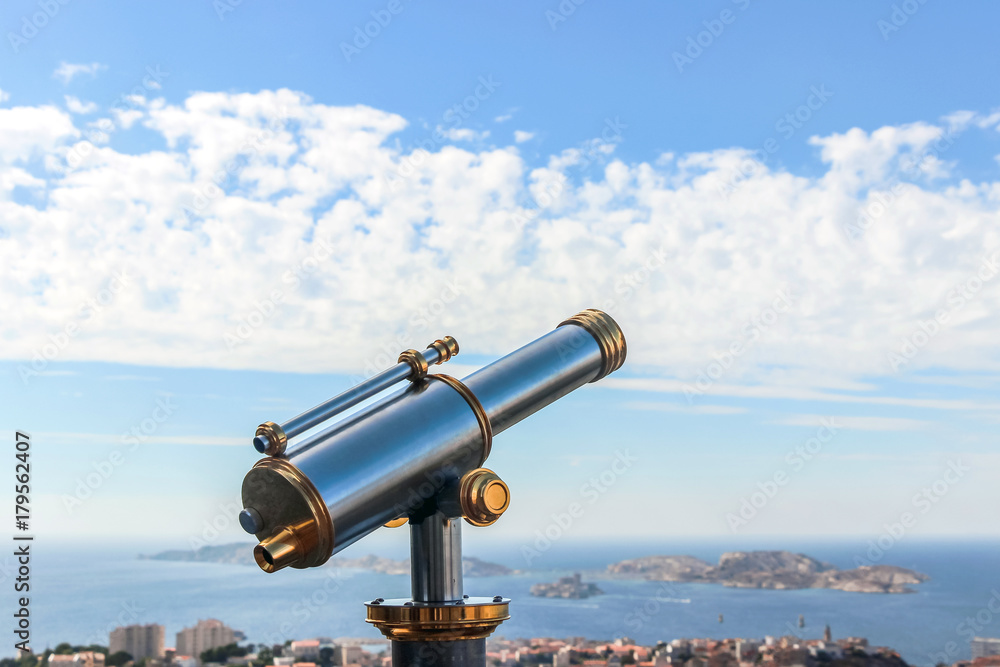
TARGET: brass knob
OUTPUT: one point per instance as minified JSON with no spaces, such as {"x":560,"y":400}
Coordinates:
{"x":270,"y":439}
{"x":484,"y":496}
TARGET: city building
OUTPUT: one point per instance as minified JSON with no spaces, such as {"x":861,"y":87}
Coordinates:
{"x":139,"y":641}
{"x":88,"y":659}
{"x":207,"y":634}
{"x":306,"y":650}
{"x":984,"y":646}
{"x":347,"y":655}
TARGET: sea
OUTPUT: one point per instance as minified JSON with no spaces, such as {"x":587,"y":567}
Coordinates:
{"x":79,"y":593}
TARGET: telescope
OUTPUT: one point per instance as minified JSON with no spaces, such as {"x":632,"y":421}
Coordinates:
{"x":415,"y":456}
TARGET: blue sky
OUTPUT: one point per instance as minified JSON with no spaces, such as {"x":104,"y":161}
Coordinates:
{"x":494,"y":107}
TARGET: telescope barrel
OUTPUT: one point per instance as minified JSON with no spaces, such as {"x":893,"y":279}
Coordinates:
{"x":271,"y":438}
{"x":392,"y":458}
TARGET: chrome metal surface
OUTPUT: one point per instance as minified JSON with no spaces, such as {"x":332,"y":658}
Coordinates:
{"x":436,"y":558}
{"x":528,"y":379}
{"x":346,"y":400}
{"x":386,"y":460}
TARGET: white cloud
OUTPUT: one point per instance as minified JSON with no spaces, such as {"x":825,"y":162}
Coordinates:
{"x":797,"y":392}
{"x":31,"y":131}
{"x":58,"y":438}
{"x":4,"y":96}
{"x":66,"y":72}
{"x":520,"y":136}
{"x":857,"y":423}
{"x":76,"y":106}
{"x":687,"y":409}
{"x":318,"y":205}
{"x":463,"y":134}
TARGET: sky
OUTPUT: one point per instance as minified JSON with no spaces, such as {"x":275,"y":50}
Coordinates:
{"x":214,"y":214}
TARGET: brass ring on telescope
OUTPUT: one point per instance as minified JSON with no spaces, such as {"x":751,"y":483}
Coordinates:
{"x":608,"y":335}
{"x":477,"y":408}
{"x":405,"y":620}
{"x":276,"y":438}
{"x":417,"y":363}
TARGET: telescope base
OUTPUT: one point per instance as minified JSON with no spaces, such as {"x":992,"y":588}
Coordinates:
{"x":455,"y":653}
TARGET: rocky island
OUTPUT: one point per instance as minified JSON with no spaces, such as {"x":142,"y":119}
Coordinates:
{"x":566,"y":587}
{"x":770,"y":569}
{"x":241,"y":553}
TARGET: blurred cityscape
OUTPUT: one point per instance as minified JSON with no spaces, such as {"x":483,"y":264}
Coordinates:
{"x":211,"y":643}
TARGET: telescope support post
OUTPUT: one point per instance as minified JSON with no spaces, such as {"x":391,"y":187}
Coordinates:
{"x":455,"y":653}
{"x":436,"y":558}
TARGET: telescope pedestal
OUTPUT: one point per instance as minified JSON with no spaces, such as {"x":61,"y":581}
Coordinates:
{"x":457,"y":653}
{"x":440,"y":626}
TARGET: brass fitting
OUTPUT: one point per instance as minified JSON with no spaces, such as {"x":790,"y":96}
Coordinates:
{"x":477,"y":408}
{"x":483,"y":496}
{"x":287,"y":546}
{"x":275,"y":439}
{"x":406,"y":620}
{"x":417,"y":363}
{"x":294,"y":526}
{"x":608,"y":335}
{"x":447,"y":347}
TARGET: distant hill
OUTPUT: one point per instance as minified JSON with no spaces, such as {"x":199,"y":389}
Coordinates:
{"x":771,"y":569}
{"x":241,"y":553}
